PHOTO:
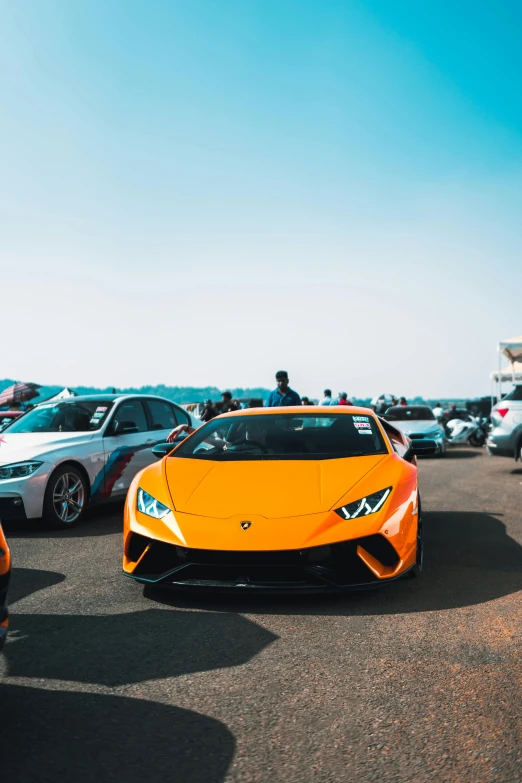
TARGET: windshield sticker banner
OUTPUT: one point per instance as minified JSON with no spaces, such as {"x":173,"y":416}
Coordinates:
{"x":361,"y":418}
{"x":364,"y":432}
{"x":361,"y":425}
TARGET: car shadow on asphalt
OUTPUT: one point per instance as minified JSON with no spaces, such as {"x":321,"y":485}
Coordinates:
{"x":83,"y":737}
{"x":121,"y":649}
{"x":25,"y":581}
{"x":468,"y":559}
{"x":102,"y":520}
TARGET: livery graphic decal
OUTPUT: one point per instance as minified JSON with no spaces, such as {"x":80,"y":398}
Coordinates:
{"x":105,"y":481}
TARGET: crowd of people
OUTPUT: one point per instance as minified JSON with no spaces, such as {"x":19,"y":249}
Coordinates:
{"x":227,"y":404}
{"x":284,"y":395}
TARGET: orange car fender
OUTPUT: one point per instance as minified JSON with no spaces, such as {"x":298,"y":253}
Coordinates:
{"x":5,"y":555}
{"x":5,"y":567}
{"x":153,"y":480}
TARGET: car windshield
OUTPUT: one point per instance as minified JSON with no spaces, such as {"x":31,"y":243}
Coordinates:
{"x":5,"y":420}
{"x":514,"y":394}
{"x":285,"y":436}
{"x":410,"y":413}
{"x":74,"y":416}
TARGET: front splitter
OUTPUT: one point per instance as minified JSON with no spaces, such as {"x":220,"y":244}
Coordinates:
{"x":211,"y":586}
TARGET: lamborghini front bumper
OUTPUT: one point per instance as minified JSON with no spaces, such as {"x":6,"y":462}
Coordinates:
{"x":348,"y":565}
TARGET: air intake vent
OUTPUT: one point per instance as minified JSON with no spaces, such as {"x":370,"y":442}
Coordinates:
{"x":137,"y":546}
{"x":380,"y":548}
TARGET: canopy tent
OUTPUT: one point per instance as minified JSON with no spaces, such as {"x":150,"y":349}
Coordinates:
{"x":63,"y":395}
{"x":512,"y":350}
{"x":512,"y":372}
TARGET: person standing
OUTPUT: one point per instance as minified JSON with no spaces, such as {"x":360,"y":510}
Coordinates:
{"x":283,"y":395}
{"x":209,"y":411}
{"x":343,"y":399}
{"x":226,"y":402}
{"x":327,"y":399}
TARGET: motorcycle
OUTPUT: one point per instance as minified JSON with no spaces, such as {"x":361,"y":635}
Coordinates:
{"x":463,"y":431}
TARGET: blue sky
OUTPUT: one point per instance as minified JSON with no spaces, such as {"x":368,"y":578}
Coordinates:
{"x":204,"y":192}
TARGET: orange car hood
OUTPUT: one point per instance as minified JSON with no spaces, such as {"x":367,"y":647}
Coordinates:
{"x":279,"y":488}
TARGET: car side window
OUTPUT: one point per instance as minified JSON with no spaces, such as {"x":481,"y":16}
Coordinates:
{"x":131,"y":411}
{"x":162,"y":415}
{"x":181,"y":415}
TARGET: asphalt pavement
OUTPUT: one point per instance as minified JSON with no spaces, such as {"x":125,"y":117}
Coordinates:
{"x":420,"y":681}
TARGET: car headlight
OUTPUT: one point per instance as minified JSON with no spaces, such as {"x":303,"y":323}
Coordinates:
{"x":368,"y":505}
{"x":150,"y":506}
{"x":18,"y":470}
{"x":434,"y":434}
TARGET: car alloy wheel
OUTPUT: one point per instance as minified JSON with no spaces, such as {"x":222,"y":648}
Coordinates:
{"x":65,"y":498}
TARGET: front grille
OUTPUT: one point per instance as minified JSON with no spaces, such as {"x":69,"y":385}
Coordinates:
{"x":287,"y":557}
{"x":333,"y":565}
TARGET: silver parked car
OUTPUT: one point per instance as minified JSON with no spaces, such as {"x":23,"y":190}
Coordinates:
{"x":505,"y":437}
{"x":62,"y":456}
{"x":417,"y":422}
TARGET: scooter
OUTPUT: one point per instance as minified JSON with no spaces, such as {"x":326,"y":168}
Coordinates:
{"x":460,"y":432}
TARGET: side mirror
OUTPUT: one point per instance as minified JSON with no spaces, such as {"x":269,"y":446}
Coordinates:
{"x":124,"y":428}
{"x":161,"y":449}
{"x":423,"y":447}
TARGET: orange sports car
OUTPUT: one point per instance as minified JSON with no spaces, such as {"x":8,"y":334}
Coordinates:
{"x":287,"y":499}
{"x":5,"y":572}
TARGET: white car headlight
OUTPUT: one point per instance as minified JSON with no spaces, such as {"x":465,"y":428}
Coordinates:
{"x":150,"y":506}
{"x":18,"y":470}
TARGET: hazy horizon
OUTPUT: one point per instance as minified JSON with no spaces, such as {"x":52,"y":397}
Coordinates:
{"x":201,"y":194}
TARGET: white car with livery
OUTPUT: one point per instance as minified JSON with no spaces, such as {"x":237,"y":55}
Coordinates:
{"x":60,"y":457}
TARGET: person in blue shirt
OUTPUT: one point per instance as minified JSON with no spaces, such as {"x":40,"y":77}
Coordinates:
{"x":283,"y":395}
{"x":328,"y":399}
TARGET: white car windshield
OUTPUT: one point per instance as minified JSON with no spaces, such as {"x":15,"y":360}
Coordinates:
{"x":66,"y":416}
{"x":409,"y":413}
